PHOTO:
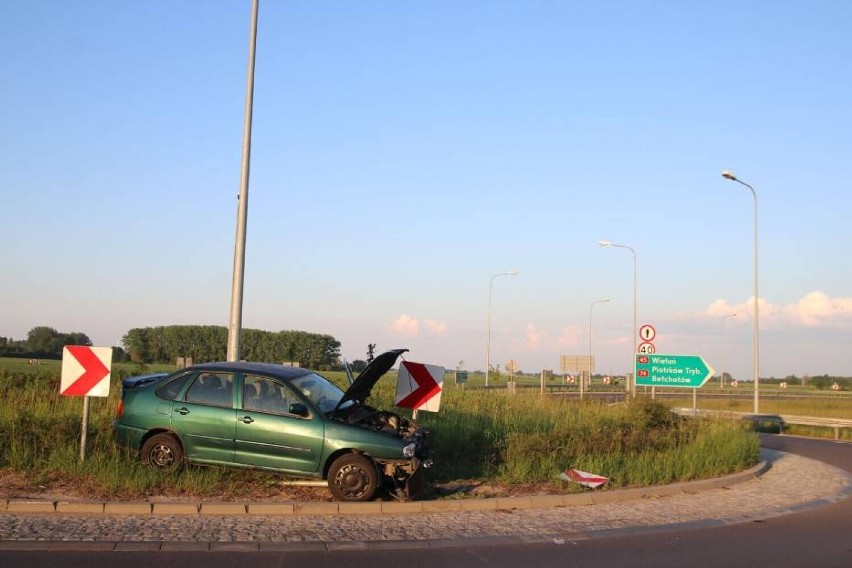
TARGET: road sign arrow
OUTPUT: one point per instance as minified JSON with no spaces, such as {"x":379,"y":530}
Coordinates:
{"x":426,"y":387}
{"x":84,"y":371}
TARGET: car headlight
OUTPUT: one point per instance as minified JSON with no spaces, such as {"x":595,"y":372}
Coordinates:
{"x":409,"y":450}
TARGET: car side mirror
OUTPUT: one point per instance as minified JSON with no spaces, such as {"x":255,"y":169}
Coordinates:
{"x":299,"y":409}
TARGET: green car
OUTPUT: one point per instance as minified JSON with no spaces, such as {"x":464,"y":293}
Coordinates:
{"x":283,"y":419}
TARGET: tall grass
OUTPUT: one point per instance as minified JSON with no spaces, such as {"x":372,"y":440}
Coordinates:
{"x":524,"y":439}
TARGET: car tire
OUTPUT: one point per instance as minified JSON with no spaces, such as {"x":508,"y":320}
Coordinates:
{"x":162,"y":452}
{"x":353,"y":477}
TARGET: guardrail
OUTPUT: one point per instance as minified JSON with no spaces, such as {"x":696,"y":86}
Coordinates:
{"x":780,"y":419}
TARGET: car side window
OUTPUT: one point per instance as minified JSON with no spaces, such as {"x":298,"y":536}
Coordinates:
{"x":265,"y":395}
{"x":171,"y":389}
{"x":211,"y":388}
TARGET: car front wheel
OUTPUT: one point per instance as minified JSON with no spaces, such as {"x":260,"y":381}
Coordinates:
{"x":162,"y":452}
{"x":353,"y":477}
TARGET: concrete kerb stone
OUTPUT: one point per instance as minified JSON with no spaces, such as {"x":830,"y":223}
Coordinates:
{"x":176,"y":508}
{"x":397,"y":507}
{"x":478,"y":504}
{"x":127,"y":508}
{"x":137,"y":546}
{"x":508,"y":503}
{"x":26,"y":506}
{"x":223,"y":509}
{"x":80,"y":546}
{"x":308,"y":508}
{"x":370,"y":508}
{"x":270,"y":509}
{"x":80,"y":507}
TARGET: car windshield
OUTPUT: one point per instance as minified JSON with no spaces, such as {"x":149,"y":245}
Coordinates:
{"x":318,"y":390}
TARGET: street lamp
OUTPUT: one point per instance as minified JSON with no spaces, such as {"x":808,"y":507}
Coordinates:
{"x":488,"y":325}
{"x":722,"y":375}
{"x":756,"y":335}
{"x":592,"y":305}
{"x":632,"y":383}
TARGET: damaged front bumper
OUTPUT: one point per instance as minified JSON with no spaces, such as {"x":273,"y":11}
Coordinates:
{"x":407,"y":480}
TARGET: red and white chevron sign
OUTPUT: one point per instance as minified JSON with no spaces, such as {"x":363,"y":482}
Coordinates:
{"x":85,"y":371}
{"x":583,"y":478}
{"x":419,"y":386}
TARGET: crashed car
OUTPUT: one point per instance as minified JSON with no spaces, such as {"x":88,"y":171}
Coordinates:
{"x":272,"y":417}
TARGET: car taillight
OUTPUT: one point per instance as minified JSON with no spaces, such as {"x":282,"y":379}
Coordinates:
{"x":119,"y":411}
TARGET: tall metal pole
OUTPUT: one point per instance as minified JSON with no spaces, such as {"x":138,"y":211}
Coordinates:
{"x":631,"y":387}
{"x":725,"y":358}
{"x":236,"y":322}
{"x":756,"y":333}
{"x":591,"y":366}
{"x":488,"y":324}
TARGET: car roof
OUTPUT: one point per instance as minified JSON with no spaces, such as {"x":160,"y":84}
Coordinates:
{"x":280,"y":371}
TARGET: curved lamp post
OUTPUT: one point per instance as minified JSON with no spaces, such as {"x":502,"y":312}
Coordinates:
{"x":756,"y":334}
{"x":631,"y":386}
{"x":592,"y":305}
{"x":488,"y":325}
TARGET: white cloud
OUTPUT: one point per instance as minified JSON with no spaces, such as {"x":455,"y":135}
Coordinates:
{"x":534,"y":337}
{"x":818,"y":308}
{"x":572,"y":337}
{"x":406,"y":326}
{"x":436,"y":327}
{"x":812,"y":310}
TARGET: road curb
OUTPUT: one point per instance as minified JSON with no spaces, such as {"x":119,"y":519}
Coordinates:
{"x":196,"y":508}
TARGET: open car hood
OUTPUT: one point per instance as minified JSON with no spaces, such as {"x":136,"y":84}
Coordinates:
{"x":363,"y":385}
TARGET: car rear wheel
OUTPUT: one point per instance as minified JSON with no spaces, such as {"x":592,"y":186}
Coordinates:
{"x":162,"y":452}
{"x":353,"y":477}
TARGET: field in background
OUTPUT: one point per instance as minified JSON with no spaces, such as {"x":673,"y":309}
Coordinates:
{"x":521,"y":439}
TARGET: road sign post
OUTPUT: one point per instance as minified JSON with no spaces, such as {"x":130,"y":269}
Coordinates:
{"x":85,"y":372}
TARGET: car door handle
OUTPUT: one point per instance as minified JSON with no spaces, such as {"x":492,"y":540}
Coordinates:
{"x":246,"y":419}
{"x":182,"y":410}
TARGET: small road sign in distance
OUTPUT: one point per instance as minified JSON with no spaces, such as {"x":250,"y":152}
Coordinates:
{"x":647,"y":332}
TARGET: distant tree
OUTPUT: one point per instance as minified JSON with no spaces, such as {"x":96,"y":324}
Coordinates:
{"x":119,"y":355}
{"x":358,"y":365}
{"x":44,"y":341}
{"x":76,"y":338}
{"x":371,"y":352}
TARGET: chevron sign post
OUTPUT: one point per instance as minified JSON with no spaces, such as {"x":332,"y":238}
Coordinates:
{"x":419,"y":386}
{"x":85,"y":372}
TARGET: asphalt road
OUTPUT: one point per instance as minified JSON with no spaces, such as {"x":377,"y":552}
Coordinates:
{"x":815,"y":537}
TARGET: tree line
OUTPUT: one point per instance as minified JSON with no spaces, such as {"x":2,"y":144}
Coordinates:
{"x":42,"y":342}
{"x":164,"y":344}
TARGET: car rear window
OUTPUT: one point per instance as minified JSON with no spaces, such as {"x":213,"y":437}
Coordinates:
{"x":171,"y":389}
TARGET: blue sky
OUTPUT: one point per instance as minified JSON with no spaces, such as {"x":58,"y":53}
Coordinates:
{"x":405,"y":152}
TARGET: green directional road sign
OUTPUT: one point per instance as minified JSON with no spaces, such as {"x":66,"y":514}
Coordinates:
{"x":688,"y":371}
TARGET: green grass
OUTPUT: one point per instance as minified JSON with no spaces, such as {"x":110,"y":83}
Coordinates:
{"x":828,"y":405}
{"x":514,"y":439}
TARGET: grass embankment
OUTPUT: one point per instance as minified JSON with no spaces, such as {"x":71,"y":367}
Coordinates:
{"x":521,"y":440}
